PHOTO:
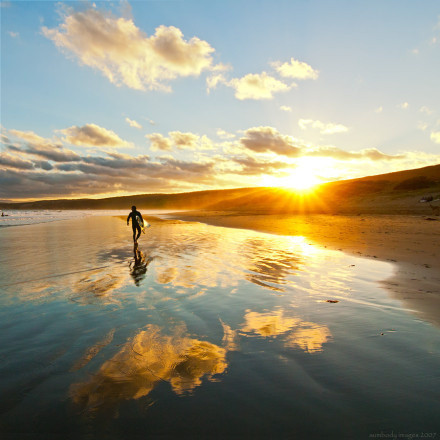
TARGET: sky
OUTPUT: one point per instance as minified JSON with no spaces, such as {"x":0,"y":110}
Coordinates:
{"x":114,"y":98}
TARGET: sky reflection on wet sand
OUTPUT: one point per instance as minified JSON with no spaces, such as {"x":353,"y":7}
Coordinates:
{"x":91,"y":325}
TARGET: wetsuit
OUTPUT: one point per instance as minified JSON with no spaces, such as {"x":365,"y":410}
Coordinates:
{"x":134,"y":223}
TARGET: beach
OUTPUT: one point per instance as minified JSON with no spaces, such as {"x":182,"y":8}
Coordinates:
{"x":258,"y":334}
{"x":410,"y":242}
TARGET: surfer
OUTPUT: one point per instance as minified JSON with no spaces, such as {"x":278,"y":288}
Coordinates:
{"x":136,"y":222}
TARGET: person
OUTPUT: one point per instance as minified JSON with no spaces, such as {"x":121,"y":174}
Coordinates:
{"x":134,"y":214}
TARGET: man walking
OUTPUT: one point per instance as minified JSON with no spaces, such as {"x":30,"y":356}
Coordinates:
{"x":136,"y":222}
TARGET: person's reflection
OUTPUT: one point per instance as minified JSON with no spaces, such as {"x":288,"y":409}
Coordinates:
{"x":138,"y":266}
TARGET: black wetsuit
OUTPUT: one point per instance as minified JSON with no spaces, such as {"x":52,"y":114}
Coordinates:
{"x":134,"y":223}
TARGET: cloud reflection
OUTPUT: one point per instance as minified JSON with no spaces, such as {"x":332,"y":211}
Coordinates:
{"x":307,"y":336}
{"x":148,"y":358}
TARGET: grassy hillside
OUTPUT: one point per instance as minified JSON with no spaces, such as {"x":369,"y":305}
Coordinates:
{"x":393,"y":193}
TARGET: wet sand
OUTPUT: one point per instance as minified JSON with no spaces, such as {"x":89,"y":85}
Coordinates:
{"x":411,"y":242}
{"x":260,"y":335}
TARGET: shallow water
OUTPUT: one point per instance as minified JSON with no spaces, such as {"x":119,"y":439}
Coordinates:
{"x":204,"y":332}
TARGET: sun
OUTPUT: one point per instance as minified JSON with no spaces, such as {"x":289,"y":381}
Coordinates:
{"x":302,"y":179}
{"x":303,"y":175}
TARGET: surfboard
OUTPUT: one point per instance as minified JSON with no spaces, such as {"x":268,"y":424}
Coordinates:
{"x":143,"y":224}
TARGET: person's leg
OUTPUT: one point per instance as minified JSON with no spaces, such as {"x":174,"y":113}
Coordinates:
{"x":138,"y":232}
{"x":134,"y":234}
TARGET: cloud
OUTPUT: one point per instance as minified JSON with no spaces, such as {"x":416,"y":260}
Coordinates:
{"x":422,"y":125}
{"x":257,"y":86}
{"x":404,"y":105}
{"x":13,"y":34}
{"x":180,"y":140}
{"x":253,"y":167}
{"x":379,"y":109}
{"x":36,"y":145}
{"x":11,"y":161}
{"x":324,"y":128}
{"x":133,"y":123}
{"x":269,"y":140}
{"x":213,"y":81}
{"x":425,"y":110}
{"x":286,"y":108}
{"x":36,"y":167}
{"x":158,"y":142}
{"x":372,"y":154}
{"x":295,"y":69}
{"x":222,"y":134}
{"x":435,"y":137}
{"x":125,"y":55}
{"x":184,"y":140}
{"x":94,"y":136}
{"x":30,"y":136}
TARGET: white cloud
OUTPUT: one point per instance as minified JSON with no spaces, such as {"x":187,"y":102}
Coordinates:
{"x":13,"y":34}
{"x":133,"y":123}
{"x":224,"y":134}
{"x":295,"y":69}
{"x":213,"y":81}
{"x":126,"y":55}
{"x":257,"y":86}
{"x":379,"y":109}
{"x":422,"y":125}
{"x":180,"y":140}
{"x":286,"y":108}
{"x":93,"y":135}
{"x":324,"y":128}
{"x":404,"y":105}
{"x":425,"y":110}
{"x":435,"y":137}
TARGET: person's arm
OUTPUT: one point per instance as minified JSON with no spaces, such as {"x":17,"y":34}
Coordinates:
{"x":140,"y":215}
{"x":128,"y":218}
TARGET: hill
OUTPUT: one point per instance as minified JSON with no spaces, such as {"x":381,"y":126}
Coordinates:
{"x":393,"y":193}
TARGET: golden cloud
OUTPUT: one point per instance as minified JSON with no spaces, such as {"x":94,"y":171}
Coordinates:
{"x":126,"y":55}
{"x":184,"y":140}
{"x":268,"y":139}
{"x":159,"y":142}
{"x":93,"y":135}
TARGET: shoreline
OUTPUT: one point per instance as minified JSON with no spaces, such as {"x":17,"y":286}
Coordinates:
{"x":410,"y":242}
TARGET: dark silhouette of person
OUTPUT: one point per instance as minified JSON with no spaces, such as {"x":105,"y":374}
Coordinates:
{"x":134,"y":215}
{"x":138,"y":267}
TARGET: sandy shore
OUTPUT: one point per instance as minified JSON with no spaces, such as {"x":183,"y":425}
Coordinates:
{"x":412,"y":243}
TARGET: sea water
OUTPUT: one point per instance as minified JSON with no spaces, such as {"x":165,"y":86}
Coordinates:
{"x":204,"y":332}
